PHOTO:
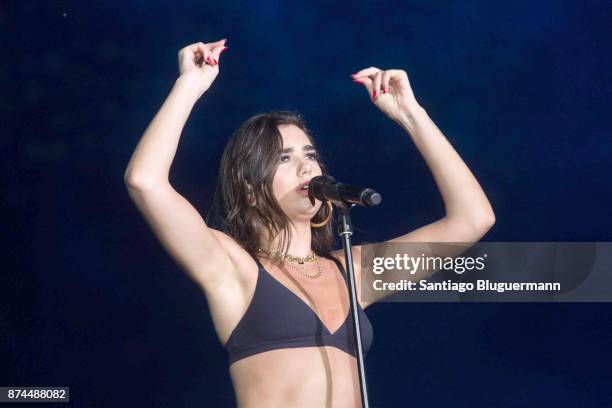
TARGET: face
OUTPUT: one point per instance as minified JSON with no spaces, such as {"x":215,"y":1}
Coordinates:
{"x":297,"y":164}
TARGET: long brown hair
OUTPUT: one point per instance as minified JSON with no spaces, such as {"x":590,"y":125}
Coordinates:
{"x":247,"y":169}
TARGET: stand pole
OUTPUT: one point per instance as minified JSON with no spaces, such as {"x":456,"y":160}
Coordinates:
{"x":345,"y":230}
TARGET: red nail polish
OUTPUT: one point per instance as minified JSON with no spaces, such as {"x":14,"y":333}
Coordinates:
{"x":384,"y":90}
{"x":223,"y":49}
{"x":374,"y":96}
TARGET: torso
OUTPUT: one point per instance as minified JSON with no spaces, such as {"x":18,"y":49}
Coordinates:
{"x":327,"y":376}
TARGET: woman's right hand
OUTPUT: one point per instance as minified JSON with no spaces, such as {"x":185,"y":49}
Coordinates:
{"x":200,"y":63}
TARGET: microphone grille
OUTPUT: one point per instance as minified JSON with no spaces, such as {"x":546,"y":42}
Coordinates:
{"x":372,"y":198}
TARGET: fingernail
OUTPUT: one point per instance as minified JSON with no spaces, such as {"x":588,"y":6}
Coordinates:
{"x":223,"y":49}
{"x":208,"y":59}
{"x":356,"y":81}
{"x":384,"y":90}
{"x":374,"y":96}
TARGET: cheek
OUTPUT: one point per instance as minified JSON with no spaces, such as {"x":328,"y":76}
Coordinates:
{"x":275,"y":187}
{"x":279,"y":184}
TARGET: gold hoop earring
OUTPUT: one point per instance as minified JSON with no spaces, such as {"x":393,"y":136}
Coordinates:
{"x":326,"y":220}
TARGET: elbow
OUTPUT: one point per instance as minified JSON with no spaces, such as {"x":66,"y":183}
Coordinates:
{"x":479,"y":221}
{"x":130,"y":180}
{"x":485,"y":221}
{"x":134,"y":181}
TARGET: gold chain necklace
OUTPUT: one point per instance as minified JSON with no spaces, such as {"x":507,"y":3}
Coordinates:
{"x":298,"y":261}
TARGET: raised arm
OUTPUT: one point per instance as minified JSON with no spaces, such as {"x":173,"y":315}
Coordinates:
{"x":201,"y":251}
{"x":469,"y":214}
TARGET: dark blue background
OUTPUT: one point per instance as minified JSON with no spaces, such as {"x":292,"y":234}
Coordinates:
{"x":92,"y":301}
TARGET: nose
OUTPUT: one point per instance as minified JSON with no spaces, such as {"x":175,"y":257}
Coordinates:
{"x":305,"y":167}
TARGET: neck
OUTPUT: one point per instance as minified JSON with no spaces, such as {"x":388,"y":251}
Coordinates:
{"x":300,"y":239}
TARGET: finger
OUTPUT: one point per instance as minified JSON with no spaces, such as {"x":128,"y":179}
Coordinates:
{"x":366,"y":81}
{"x":206,"y":50}
{"x":195,"y":47}
{"x":397,"y":75}
{"x":221,"y":42}
{"x":376,"y":85}
{"x":216,"y":52}
{"x":386,"y":76}
{"x":191,"y":47}
{"x":203,"y":54}
{"x":365,"y":72}
{"x":208,"y":57}
{"x":216,"y":45}
{"x":200,"y":53}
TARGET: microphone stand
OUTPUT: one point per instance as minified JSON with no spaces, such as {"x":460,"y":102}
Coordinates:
{"x":345,"y":230}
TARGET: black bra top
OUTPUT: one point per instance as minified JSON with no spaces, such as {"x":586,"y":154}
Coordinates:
{"x":276,"y":318}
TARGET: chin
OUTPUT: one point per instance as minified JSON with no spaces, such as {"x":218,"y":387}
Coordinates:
{"x":307,"y":212}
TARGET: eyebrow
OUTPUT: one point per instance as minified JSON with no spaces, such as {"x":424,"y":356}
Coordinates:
{"x":305,"y":148}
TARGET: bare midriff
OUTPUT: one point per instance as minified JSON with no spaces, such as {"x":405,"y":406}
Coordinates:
{"x":307,"y":377}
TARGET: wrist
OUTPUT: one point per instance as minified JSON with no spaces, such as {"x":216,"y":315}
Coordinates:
{"x":188,"y":86}
{"x":409,"y":114}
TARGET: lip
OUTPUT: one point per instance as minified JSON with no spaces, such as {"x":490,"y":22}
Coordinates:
{"x":299,"y":188}
{"x":303,"y":193}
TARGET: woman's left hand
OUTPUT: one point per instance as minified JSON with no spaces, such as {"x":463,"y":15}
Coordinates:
{"x":389,"y":90}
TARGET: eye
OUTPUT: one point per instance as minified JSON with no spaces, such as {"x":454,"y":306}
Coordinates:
{"x":311,"y":156}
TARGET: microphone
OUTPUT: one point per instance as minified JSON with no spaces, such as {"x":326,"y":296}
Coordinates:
{"x":327,"y":188}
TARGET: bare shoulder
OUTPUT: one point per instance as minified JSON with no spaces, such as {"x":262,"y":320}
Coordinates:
{"x":339,"y":255}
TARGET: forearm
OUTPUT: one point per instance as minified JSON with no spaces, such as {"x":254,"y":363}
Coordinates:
{"x":155,"y":151}
{"x":463,"y":197}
